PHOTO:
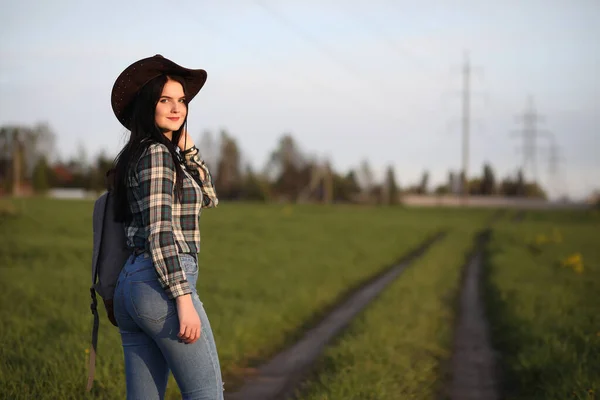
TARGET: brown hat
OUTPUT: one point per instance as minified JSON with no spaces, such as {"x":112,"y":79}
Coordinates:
{"x":134,"y":77}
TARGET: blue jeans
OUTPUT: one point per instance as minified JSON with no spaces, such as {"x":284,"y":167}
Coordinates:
{"x":148,"y":324}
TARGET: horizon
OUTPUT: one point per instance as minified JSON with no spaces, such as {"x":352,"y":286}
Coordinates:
{"x":348,"y":81}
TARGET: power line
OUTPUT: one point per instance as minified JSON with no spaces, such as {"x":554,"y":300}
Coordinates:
{"x":322,"y":48}
{"x":260,"y":51}
{"x":466,"y":72}
{"x":306,"y":36}
{"x":530,"y":134}
{"x":309,"y":79}
{"x":401,"y":52}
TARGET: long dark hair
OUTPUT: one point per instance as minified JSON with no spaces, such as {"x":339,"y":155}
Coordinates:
{"x":144,"y":132}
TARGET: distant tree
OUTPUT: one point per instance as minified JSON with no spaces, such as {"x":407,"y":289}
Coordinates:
{"x":351,"y":185}
{"x":340,"y":189}
{"x":345,"y":188}
{"x":520,"y":184}
{"x":97,"y":173}
{"x":287,"y":167}
{"x":423,"y":186}
{"x":391,"y":187}
{"x":352,"y":182}
{"x":474,"y":186}
{"x":40,"y":179}
{"x":508,"y":187}
{"x":441,"y":190}
{"x":229,"y":176}
{"x":534,"y":190}
{"x":286,"y":156}
{"x":255,"y":188}
{"x":518,"y":187}
{"x":488,"y":183}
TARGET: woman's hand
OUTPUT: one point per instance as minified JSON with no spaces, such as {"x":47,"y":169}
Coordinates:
{"x":186,"y":142}
{"x":190,"y":326}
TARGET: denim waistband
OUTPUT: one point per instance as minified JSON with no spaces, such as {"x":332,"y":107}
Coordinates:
{"x":142,"y":263}
{"x":140,"y":256}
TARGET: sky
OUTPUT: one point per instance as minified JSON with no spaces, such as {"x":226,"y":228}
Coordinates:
{"x":350,"y":80}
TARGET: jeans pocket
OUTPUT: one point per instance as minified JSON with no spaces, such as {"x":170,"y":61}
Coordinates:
{"x":150,"y":301}
{"x":188,"y":264}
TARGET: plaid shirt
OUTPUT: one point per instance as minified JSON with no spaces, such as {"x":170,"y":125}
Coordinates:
{"x":161,"y":224}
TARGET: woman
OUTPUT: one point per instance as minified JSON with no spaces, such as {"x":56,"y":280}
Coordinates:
{"x":161,"y":185}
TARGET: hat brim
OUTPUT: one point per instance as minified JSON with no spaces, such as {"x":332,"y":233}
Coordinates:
{"x":138,"y":74}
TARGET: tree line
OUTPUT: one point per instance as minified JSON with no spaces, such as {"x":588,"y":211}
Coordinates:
{"x":289,"y":174}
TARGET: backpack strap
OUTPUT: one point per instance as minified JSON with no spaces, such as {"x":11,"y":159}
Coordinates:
{"x":98,"y":224}
{"x":92,"y":365}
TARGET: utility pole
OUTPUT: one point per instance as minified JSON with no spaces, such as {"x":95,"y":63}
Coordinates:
{"x":466,"y":73}
{"x":467,"y":70}
{"x":530,"y":133}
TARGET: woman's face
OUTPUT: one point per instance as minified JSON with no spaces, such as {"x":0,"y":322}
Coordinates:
{"x":171,"y":109}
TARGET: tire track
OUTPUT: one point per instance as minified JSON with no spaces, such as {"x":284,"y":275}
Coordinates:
{"x":473,"y":362}
{"x":277,"y":378}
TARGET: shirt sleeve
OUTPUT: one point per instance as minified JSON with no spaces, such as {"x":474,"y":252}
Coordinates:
{"x":194,"y":163}
{"x":157,"y":177}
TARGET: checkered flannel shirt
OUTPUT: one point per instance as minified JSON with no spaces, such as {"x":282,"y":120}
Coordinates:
{"x":161,"y":224}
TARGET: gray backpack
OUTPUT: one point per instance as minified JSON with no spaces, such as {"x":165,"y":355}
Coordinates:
{"x":110,"y":252}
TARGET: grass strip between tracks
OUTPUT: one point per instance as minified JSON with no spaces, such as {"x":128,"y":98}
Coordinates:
{"x":400,"y":346}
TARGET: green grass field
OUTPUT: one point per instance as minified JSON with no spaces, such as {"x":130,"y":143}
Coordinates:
{"x":266,"y":273}
{"x":543,"y":292}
